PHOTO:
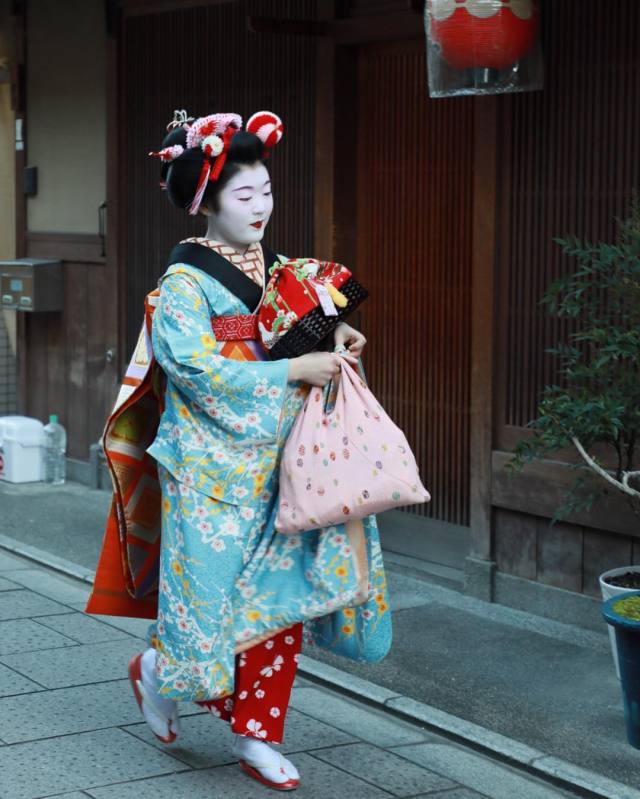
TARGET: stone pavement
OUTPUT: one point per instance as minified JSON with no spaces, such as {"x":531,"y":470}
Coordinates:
{"x":70,"y":727}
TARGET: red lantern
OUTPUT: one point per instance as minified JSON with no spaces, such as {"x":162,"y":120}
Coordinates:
{"x":483,"y":34}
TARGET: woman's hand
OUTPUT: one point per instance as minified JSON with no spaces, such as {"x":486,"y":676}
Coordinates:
{"x":316,"y":368}
{"x":349,"y":337}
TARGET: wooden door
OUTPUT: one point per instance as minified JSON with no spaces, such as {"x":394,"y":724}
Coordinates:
{"x":413,"y":252}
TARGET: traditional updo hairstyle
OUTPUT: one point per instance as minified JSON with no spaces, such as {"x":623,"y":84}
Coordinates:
{"x":190,"y":149}
{"x":181,"y":175}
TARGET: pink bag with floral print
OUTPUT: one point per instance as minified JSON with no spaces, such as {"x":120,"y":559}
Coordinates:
{"x":346,"y":463}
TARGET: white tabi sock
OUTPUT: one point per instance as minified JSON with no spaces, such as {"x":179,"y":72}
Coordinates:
{"x":261,"y":756}
{"x":150,"y":681}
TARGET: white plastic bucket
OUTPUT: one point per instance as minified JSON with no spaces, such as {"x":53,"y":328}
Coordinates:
{"x":21,"y":449}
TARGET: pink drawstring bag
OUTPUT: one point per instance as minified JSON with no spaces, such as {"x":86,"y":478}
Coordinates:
{"x":345,"y":463}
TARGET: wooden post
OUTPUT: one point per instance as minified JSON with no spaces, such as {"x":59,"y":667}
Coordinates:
{"x":479,"y":565}
{"x":323,"y":244}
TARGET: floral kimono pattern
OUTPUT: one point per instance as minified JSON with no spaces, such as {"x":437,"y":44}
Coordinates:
{"x":228,"y":580}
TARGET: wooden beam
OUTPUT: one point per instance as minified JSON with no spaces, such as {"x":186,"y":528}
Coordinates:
{"x":377,"y":28}
{"x":138,"y":8}
{"x":289,"y":27}
{"x":482,"y":321}
{"x":356,"y":30}
{"x":539,"y":489}
{"x":72,"y":247}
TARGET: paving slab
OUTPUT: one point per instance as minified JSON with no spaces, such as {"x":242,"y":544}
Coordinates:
{"x":8,"y":585}
{"x":86,"y":664}
{"x":383,"y":769}
{"x":53,"y":586}
{"x":366,"y":723}
{"x":9,"y":562}
{"x":479,"y":773}
{"x":456,"y":793}
{"x":74,"y":795}
{"x":12,"y":683}
{"x":82,"y":628}
{"x":136,"y":627}
{"x":205,"y":741}
{"x":23,"y":604}
{"x":27,"y":635}
{"x":78,"y":762}
{"x":321,"y":781}
{"x":64,"y":711}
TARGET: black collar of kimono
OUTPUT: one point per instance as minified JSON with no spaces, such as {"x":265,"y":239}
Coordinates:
{"x":217,"y":267}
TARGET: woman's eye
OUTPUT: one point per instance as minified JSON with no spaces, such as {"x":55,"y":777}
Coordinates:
{"x":267,"y":194}
{"x":244,"y":199}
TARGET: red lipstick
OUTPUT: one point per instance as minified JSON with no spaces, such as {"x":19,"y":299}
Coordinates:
{"x":256,"y":225}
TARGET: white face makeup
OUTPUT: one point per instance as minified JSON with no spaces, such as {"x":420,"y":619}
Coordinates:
{"x":246,"y":204}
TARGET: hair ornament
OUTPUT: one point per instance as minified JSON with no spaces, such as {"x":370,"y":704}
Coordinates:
{"x":267,"y":126}
{"x":213,"y":135}
{"x":180,"y":119}
{"x":212,"y":145}
{"x":168,"y":154}
{"x":208,"y":126}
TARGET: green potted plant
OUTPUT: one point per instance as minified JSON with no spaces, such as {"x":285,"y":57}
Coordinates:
{"x":596,"y":402}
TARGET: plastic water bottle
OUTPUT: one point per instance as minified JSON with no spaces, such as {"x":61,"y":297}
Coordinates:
{"x":55,"y":450}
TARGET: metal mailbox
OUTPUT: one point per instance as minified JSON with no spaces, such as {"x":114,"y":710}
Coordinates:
{"x":31,"y":284}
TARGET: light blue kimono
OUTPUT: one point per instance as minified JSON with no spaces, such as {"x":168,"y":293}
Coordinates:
{"x":227,"y":579}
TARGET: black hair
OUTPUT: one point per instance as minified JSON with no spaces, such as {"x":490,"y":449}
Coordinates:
{"x":181,"y":175}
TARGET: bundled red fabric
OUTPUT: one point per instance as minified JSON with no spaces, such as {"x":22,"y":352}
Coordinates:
{"x":304,"y":301}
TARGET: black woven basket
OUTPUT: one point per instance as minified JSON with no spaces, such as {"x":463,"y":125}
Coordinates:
{"x":314,"y":327}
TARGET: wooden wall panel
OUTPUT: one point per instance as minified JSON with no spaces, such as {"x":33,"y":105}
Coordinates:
{"x":66,"y":369}
{"x":516,"y":537}
{"x":602,"y":550}
{"x":206,"y":60}
{"x":414,"y":255}
{"x":569,"y":556}
{"x":568,"y":161}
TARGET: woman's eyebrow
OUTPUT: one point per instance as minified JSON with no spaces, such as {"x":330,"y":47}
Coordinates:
{"x":244,"y":188}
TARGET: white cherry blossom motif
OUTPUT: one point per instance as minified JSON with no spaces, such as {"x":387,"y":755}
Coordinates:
{"x":259,"y":694}
{"x":275,"y":712}
{"x":267,"y":671}
{"x":243,"y":694}
{"x":255,"y":727}
{"x":268,"y":644}
{"x":289,"y":639}
{"x":228,"y":704}
{"x":483,"y":9}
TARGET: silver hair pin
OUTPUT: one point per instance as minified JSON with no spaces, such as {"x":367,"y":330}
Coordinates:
{"x":180,"y":118}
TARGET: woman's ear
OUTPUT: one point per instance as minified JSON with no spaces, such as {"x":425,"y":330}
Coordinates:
{"x":204,"y":210}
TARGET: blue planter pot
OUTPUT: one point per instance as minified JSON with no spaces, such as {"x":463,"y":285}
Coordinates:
{"x":628,"y":643}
